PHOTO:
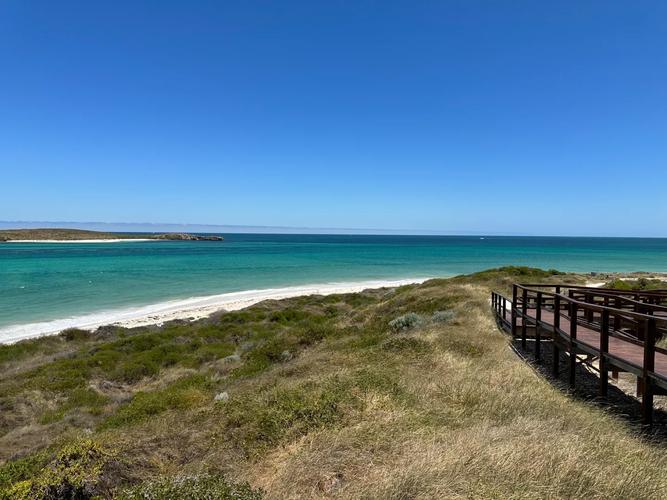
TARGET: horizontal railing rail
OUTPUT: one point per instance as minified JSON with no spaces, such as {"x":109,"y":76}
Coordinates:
{"x":640,"y":295}
{"x":637,"y":305}
{"x":595,"y":307}
{"x":565,"y":312}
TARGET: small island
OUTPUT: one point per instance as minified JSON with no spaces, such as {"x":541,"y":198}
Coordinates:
{"x":72,"y":235}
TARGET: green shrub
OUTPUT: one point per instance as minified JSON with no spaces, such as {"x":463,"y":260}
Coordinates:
{"x":639,"y":284}
{"x":288,"y":316}
{"x":84,"y":398}
{"x":21,"y":469}
{"x":263,"y":356}
{"x":204,"y":487}
{"x":132,"y":370}
{"x":72,"y":334}
{"x":210,"y":352}
{"x":105,"y":359}
{"x":14,"y":352}
{"x":522,"y":272}
{"x":406,"y":322}
{"x":60,"y":376}
{"x":311,"y":334}
{"x":188,"y":392}
{"x":443,"y":316}
{"x":243,"y":317}
{"x":76,"y":472}
{"x":147,"y":363}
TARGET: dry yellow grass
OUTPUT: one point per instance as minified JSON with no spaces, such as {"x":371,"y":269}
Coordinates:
{"x":439,"y":410}
{"x":481,"y":426}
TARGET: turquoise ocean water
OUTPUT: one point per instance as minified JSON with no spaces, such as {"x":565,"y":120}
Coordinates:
{"x":48,"y":281}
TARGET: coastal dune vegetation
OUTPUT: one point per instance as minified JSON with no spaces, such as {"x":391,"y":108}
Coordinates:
{"x":408,"y":392}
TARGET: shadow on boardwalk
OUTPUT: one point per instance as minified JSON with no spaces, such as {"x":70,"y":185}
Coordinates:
{"x":617,"y":403}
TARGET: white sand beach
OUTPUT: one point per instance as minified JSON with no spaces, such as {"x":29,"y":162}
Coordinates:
{"x":189,"y":309}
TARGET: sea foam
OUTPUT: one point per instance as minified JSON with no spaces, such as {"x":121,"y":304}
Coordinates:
{"x":190,"y":308}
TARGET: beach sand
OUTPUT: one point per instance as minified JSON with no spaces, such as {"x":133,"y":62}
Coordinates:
{"x":187,"y":309}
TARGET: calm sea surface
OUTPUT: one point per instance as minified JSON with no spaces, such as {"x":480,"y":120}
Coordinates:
{"x":40,"y":282}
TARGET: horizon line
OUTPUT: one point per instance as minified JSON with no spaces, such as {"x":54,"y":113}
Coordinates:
{"x":266,"y":229}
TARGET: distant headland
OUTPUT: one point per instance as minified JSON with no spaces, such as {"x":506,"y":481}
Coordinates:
{"x":80,"y":235}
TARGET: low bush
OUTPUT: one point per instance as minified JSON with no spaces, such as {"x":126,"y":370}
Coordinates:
{"x":20,"y":470}
{"x":639,"y":284}
{"x":406,"y":322}
{"x":185,"y":393}
{"x":80,"y":470}
{"x":73,"y":334}
{"x":443,"y":316}
{"x":263,"y":356}
{"x":86,"y":399}
{"x":203,"y":487}
{"x":288,"y":316}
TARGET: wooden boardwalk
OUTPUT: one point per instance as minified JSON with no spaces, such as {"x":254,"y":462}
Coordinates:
{"x":617,"y":329}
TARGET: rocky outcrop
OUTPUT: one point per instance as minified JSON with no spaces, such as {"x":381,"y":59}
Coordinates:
{"x":187,"y":237}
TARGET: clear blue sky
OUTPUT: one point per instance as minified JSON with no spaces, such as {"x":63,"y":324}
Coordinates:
{"x":476,"y":116}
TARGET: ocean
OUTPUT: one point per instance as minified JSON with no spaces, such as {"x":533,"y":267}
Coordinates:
{"x":50,"y":281}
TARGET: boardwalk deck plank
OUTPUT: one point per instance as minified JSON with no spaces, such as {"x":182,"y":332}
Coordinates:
{"x":626,"y":348}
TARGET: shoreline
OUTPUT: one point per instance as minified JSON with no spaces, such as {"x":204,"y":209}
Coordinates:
{"x":191,"y":309}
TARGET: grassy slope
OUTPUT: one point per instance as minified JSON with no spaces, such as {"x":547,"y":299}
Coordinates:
{"x":325,"y":398}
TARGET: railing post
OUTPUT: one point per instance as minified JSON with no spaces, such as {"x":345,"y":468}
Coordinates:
{"x":649,"y":366}
{"x":588,"y":313}
{"x":504,"y":309}
{"x":524,"y":318}
{"x":514,"y":307}
{"x":617,"y":318}
{"x":573,"y":337}
{"x":538,"y":319}
{"x":604,"y":349}
{"x":556,"y":350}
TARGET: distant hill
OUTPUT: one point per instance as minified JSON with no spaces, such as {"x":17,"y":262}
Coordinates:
{"x":80,"y":234}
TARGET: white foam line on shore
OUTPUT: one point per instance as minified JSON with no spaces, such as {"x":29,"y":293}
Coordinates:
{"x":191,"y":308}
{"x":117,"y":240}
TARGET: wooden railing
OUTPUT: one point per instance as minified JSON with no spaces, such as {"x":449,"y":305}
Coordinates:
{"x":583,"y":320}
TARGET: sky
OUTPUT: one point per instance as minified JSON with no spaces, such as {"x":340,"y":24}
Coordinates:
{"x":482,"y":117}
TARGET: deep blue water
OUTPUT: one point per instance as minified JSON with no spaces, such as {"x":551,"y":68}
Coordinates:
{"x":40,"y":282}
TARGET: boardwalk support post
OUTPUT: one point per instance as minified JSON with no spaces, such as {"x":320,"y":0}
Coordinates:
{"x":538,"y":319}
{"x":514,"y":306}
{"x":556,"y":350}
{"x":573,"y":337}
{"x":649,"y":366}
{"x":604,"y":350}
{"x":524,"y":317}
